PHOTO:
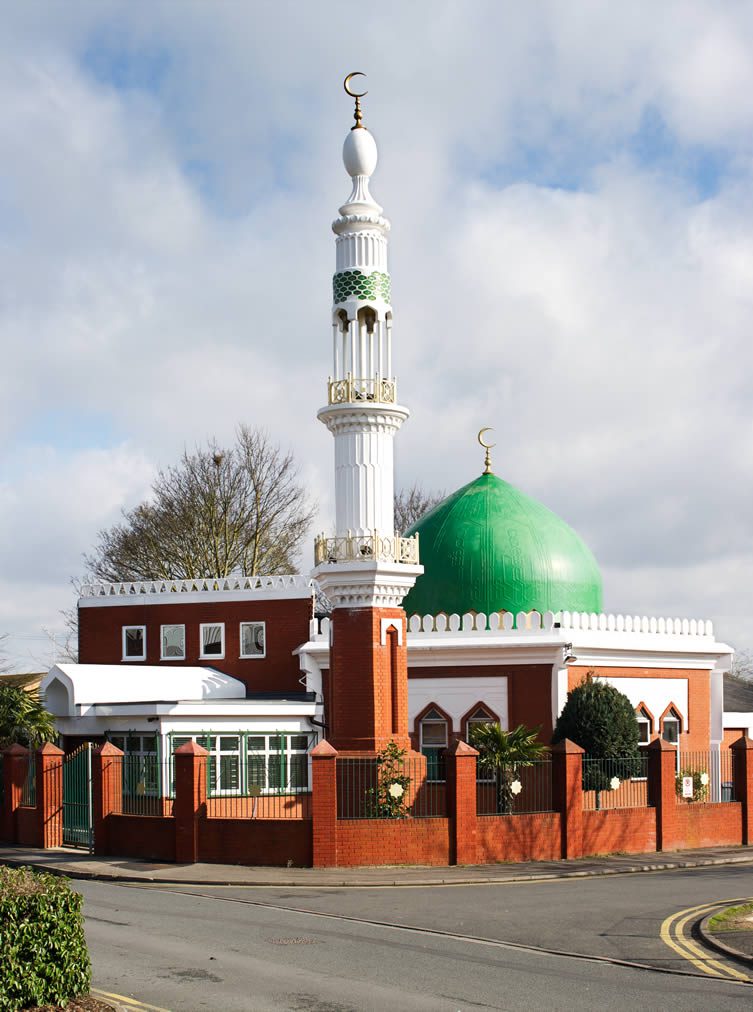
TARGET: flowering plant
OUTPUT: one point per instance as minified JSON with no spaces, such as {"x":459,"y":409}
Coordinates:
{"x":700,"y":784}
{"x":388,"y":799}
{"x":396,"y":790}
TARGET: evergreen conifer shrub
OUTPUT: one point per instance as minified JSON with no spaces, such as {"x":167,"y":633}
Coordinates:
{"x":43,"y":955}
{"x":601,"y":719}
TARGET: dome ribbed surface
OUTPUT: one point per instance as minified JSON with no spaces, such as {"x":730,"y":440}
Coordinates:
{"x":489,"y":547}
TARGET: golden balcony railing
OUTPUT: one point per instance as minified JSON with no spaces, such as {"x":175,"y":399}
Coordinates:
{"x":352,"y":390}
{"x":369,"y":547}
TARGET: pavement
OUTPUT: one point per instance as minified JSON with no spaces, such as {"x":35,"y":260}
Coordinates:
{"x":78,"y":864}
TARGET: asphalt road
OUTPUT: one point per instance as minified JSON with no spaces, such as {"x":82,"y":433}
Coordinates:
{"x":195,"y":948}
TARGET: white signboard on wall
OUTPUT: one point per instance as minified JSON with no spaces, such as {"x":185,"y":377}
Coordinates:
{"x":687,"y":787}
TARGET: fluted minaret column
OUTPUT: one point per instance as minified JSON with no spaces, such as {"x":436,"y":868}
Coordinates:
{"x":364,"y":566}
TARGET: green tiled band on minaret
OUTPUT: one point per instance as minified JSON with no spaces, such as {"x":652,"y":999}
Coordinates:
{"x":489,"y":547}
{"x":363,"y":286}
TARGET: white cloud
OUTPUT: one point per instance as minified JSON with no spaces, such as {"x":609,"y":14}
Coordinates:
{"x":168,"y":179}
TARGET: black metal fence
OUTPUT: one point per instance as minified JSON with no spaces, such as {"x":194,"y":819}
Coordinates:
{"x":514,"y":789}
{"x":368,"y":789}
{"x":615,"y":783}
{"x":29,"y":789}
{"x":704,"y":776}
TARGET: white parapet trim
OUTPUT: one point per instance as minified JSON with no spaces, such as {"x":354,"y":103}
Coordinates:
{"x":477,"y":623}
{"x":226,"y":588}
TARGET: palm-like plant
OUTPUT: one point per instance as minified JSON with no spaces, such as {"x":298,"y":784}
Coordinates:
{"x":504,"y":753}
{"x":23,"y":718}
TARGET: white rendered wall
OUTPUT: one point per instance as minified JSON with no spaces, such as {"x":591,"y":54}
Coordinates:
{"x":456,"y":696}
{"x":656,"y":693}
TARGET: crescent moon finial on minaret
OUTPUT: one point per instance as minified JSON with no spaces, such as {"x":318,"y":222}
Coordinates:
{"x":357,"y":95}
{"x":488,"y":447}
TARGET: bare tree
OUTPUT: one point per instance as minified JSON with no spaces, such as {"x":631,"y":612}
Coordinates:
{"x":742,"y":666}
{"x":413,"y":503}
{"x":218,"y":512}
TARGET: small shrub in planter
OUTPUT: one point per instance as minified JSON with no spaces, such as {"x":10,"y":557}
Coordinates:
{"x":43,"y":955}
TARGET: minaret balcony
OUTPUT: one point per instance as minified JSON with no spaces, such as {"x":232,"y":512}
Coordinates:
{"x":353,"y":391}
{"x":373,"y":547}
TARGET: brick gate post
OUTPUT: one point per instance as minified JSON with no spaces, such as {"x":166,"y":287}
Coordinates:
{"x":742,"y":776}
{"x":107,"y":792}
{"x":15,"y":764}
{"x":567,"y":794}
{"x":461,"y":802}
{"x":662,"y":793}
{"x":49,"y":776}
{"x":324,"y":805}
{"x":190,"y":803}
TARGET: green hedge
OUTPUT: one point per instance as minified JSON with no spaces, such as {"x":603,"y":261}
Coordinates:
{"x":43,"y":954}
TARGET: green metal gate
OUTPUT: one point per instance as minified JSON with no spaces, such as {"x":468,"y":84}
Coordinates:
{"x":77,"y":798}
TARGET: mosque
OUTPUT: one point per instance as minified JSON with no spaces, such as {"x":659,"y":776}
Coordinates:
{"x":488,"y":609}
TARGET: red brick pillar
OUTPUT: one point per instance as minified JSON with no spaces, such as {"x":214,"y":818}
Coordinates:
{"x":567,"y":794}
{"x":15,"y":764}
{"x":49,"y":775}
{"x":324,"y":805}
{"x":662,"y":793}
{"x":107,"y":792}
{"x":742,"y":777}
{"x":190,"y":803}
{"x":461,"y":802}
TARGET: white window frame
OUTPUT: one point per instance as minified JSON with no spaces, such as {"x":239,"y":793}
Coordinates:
{"x":268,"y":754}
{"x":643,"y":721}
{"x":252,"y":657}
{"x":127,"y":628}
{"x":211,"y":657}
{"x":173,"y":657}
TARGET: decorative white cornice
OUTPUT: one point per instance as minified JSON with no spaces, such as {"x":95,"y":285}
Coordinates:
{"x":377,"y":417}
{"x":229,"y":588}
{"x":355,"y":222}
{"x":366,"y":584}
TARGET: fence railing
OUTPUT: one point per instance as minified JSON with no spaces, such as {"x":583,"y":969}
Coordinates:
{"x":704,"y":776}
{"x":615,"y":783}
{"x":29,"y":789}
{"x":146,"y":785}
{"x":367,"y":789}
{"x":515,"y":789}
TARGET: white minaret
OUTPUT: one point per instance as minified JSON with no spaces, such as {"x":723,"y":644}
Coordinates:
{"x":362,"y":412}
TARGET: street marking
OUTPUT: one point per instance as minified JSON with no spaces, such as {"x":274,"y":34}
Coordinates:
{"x":131,"y":1002}
{"x":672,"y":933}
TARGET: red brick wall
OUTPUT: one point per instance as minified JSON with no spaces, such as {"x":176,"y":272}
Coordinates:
{"x":278,"y":843}
{"x":393,"y":841}
{"x":146,"y":836}
{"x":27,"y":827}
{"x":632,"y":830}
{"x":362,"y":687}
{"x":732,"y":734}
{"x":519,"y":837}
{"x":100,"y":636}
{"x":707,"y":825}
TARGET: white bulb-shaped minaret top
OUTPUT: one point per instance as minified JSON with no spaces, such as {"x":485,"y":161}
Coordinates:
{"x":362,"y":411}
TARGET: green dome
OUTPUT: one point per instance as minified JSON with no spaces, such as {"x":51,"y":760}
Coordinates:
{"x":489,"y":547}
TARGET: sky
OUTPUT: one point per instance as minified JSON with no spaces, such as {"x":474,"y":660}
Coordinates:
{"x":571,"y":193}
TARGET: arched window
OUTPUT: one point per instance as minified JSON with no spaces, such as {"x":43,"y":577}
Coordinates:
{"x":671,"y":725}
{"x":433,"y":741}
{"x":645,"y":724}
{"x":479,"y":715}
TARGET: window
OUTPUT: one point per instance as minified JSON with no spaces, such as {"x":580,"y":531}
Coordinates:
{"x":645,"y":725}
{"x":253,"y":639}
{"x":224,"y":762}
{"x":212,"y":639}
{"x":173,"y":643}
{"x":278,"y":762}
{"x":134,"y":642}
{"x":275,"y":763}
{"x":480,"y":716}
{"x":141,"y":766}
{"x":671,"y":730}
{"x":433,"y":742}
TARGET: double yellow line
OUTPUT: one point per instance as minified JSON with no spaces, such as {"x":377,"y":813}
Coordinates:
{"x":123,"y":1000}
{"x":673,"y":934}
